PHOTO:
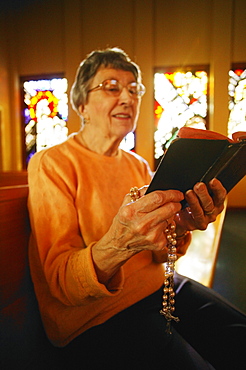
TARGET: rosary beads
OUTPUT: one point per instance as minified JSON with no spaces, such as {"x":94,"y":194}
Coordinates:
{"x":168,"y":289}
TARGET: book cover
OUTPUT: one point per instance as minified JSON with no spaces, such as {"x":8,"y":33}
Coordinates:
{"x":200,"y":155}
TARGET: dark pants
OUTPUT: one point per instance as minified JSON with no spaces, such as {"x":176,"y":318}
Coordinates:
{"x":211,"y":334}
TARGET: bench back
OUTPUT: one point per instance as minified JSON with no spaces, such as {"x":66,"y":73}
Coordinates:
{"x":14,"y":236}
{"x":23,"y":343}
{"x":12,"y":178}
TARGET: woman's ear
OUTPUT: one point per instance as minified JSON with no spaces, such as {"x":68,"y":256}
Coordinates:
{"x":83,"y":112}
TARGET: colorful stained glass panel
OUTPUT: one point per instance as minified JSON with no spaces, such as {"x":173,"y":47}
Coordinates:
{"x":180,"y":100}
{"x":237,"y":100}
{"x":45,"y":113}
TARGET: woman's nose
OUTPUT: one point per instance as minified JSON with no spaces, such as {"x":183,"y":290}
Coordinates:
{"x":126,"y":96}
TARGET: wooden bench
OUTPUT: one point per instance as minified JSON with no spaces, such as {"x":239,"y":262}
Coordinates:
{"x":11,"y":178}
{"x":23,"y":343}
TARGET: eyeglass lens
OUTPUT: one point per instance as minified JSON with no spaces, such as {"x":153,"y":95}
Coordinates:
{"x":115,"y":88}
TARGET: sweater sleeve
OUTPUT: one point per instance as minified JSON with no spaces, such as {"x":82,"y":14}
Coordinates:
{"x":66,"y":262}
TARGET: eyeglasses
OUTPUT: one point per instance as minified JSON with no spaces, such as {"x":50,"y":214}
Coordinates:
{"x":114,"y":88}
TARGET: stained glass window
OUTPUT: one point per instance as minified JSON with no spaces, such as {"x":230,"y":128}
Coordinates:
{"x":180,"y":100}
{"x":237,"y":100}
{"x":128,"y":143}
{"x":45,"y":113}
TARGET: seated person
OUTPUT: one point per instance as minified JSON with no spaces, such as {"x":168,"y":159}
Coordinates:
{"x":97,"y":250}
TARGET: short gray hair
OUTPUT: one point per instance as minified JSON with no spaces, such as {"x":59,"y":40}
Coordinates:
{"x":111,"y":57}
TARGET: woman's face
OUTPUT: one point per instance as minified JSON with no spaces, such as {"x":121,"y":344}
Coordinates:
{"x":112,"y":116}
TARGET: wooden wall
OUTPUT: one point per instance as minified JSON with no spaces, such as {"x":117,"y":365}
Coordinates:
{"x":53,"y":36}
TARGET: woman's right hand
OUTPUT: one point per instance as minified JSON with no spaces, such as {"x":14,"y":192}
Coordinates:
{"x":137,"y":226}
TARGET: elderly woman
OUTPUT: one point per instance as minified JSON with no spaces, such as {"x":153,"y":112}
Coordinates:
{"x":97,"y":251}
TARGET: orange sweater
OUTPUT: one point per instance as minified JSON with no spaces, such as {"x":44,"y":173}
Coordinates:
{"x":74,"y":195}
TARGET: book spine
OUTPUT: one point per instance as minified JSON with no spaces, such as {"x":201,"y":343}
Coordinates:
{"x":230,"y":168}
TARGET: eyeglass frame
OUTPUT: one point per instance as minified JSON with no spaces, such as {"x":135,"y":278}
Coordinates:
{"x":102,"y":84}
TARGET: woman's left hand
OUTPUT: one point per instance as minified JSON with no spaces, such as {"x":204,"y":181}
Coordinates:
{"x":203,"y":208}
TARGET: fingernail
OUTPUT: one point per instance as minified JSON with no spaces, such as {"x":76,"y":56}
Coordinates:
{"x":213,"y":182}
{"x":199,"y":185}
{"x":188,"y":192}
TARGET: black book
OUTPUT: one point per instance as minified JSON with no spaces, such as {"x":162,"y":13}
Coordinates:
{"x":199,"y":156}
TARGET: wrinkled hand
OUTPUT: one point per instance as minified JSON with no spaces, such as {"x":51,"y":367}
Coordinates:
{"x":140,"y":224}
{"x":137,"y":226}
{"x":203,"y":208}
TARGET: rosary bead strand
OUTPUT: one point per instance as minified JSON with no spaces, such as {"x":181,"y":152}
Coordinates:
{"x":168,"y":289}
